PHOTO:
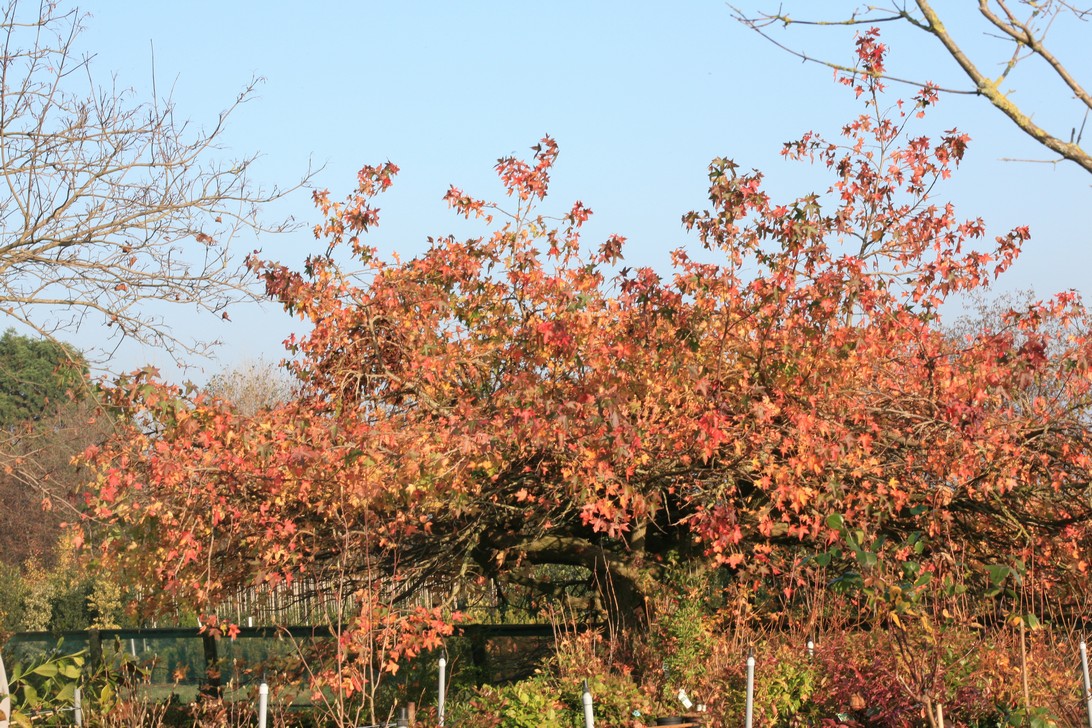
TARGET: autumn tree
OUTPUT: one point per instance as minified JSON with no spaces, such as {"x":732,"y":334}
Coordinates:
{"x":111,"y":204}
{"x":48,"y":415}
{"x":1017,"y":55}
{"x":42,"y":384}
{"x":519,"y":408}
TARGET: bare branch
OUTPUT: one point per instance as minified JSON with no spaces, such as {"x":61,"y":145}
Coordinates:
{"x":1027,"y":36}
{"x":1022,"y":34}
{"x":990,"y":90}
{"x":761,"y":22}
{"x":108,"y":205}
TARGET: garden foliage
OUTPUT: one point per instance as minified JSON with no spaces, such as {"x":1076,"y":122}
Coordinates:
{"x":522,"y":416}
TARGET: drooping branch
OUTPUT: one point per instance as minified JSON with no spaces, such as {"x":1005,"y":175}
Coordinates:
{"x":989,"y":88}
{"x":1027,"y":40}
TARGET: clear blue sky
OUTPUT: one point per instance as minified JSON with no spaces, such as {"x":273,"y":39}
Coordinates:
{"x":639,"y":95}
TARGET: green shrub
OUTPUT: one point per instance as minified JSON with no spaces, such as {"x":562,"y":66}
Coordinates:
{"x":531,"y":703}
{"x":43,"y":685}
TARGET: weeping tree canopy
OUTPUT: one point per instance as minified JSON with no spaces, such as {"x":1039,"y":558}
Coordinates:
{"x":520,"y":408}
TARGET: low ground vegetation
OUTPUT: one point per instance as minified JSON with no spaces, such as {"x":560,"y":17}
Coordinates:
{"x":866,"y":672}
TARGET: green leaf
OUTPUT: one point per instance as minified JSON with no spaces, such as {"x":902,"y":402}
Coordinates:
{"x":867,"y":559}
{"x":998,"y":573}
{"x":70,"y":670}
{"x":67,"y":694}
{"x":46,"y":669}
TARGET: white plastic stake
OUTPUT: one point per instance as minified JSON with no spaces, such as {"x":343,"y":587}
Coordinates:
{"x":1087,"y":684}
{"x":749,"y":722}
{"x":940,"y":715}
{"x":5,"y":697}
{"x":443,"y":691}
{"x":77,"y":707}
{"x":589,"y":711}
{"x":811,"y":648}
{"x":263,"y":705}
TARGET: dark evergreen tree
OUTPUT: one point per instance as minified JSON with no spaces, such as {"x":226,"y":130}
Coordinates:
{"x":37,"y":378}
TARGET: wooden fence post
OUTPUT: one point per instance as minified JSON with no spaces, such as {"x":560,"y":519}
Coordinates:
{"x":212,"y":687}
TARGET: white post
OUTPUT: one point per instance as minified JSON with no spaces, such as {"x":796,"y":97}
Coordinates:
{"x":5,"y":697}
{"x":940,"y":715}
{"x":749,"y":722}
{"x":77,"y":707}
{"x":589,"y":711}
{"x":263,"y":705}
{"x":1087,"y":683}
{"x":443,"y":690}
{"x":811,"y":648}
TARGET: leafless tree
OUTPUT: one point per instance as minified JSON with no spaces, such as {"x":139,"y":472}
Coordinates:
{"x":109,"y":204}
{"x":253,"y":385}
{"x":1020,"y":26}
